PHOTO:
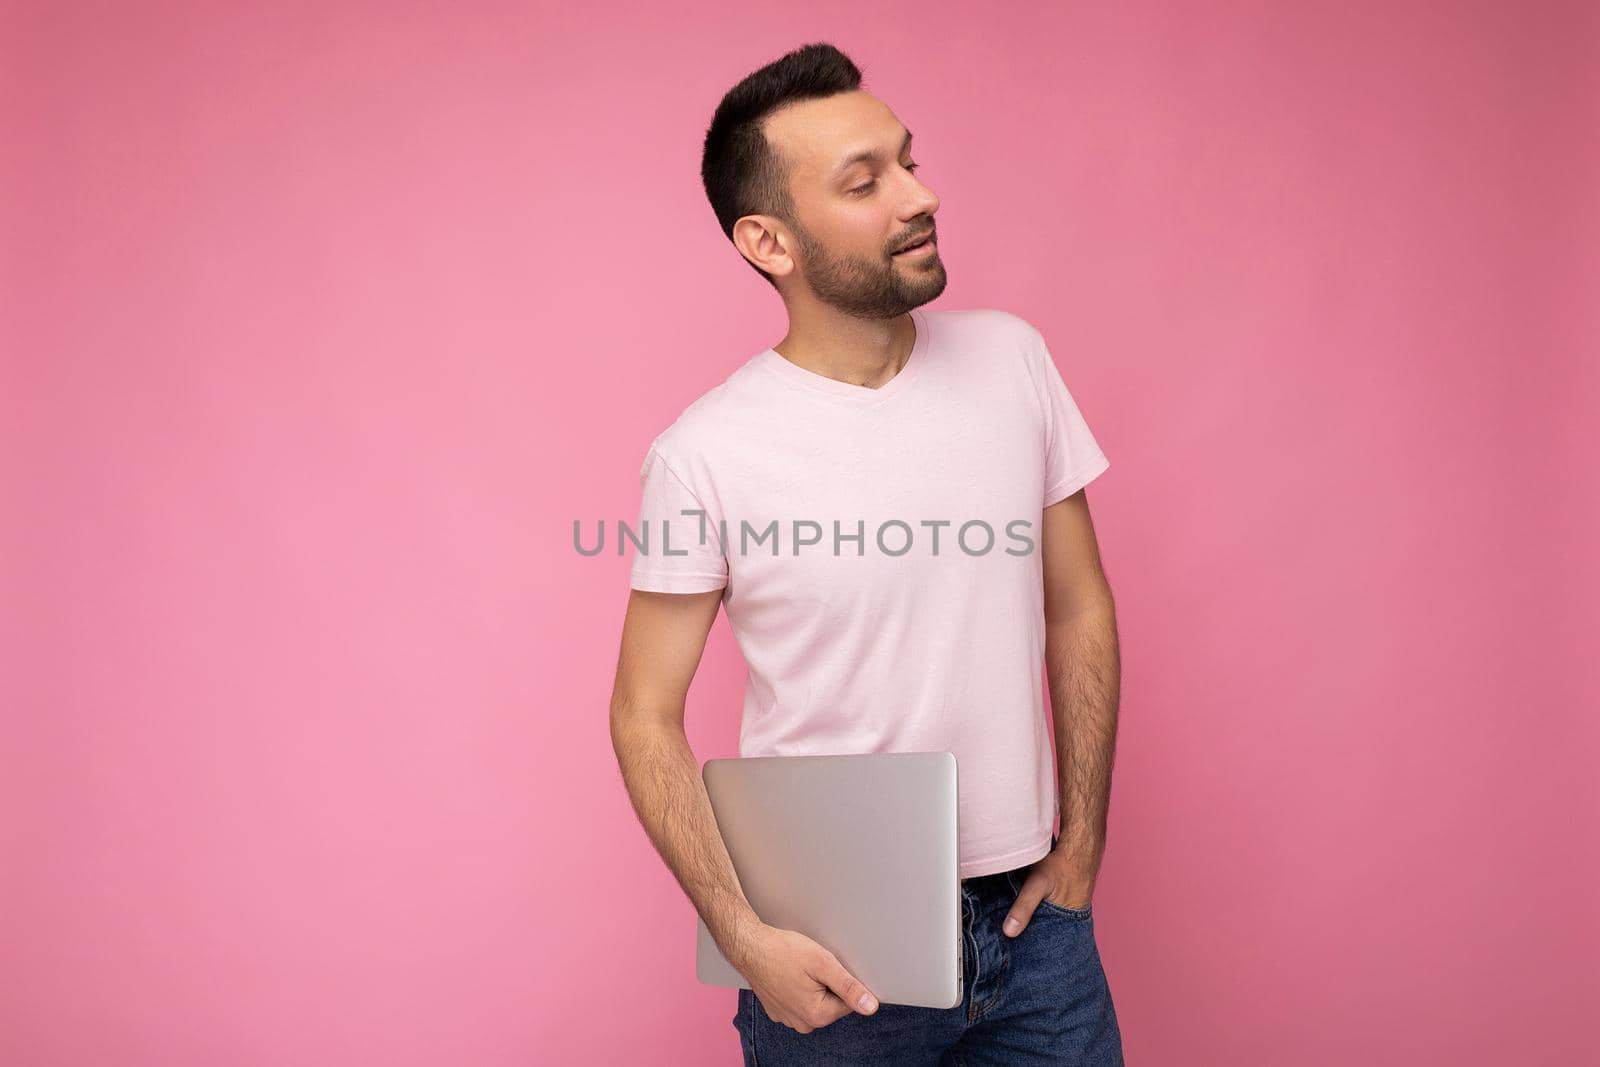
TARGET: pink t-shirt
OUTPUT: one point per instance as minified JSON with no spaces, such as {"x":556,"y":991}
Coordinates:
{"x":878,"y":550}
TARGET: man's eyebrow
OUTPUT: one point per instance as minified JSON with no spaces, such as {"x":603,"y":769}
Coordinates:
{"x":871,"y":155}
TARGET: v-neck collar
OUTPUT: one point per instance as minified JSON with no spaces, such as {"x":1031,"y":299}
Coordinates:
{"x":858,"y":394}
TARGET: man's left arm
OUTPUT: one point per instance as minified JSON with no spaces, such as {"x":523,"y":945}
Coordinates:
{"x":1083,"y":664}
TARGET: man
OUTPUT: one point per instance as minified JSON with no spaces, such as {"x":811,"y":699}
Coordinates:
{"x":843,"y":494}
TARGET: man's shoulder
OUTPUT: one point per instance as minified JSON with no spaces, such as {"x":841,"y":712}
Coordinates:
{"x":984,"y":341}
{"x":987,"y":342}
{"x":707,"y":422}
{"x":981,"y":324}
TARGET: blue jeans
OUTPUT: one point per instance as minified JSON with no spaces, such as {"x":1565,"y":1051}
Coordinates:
{"x":1039,"y":998}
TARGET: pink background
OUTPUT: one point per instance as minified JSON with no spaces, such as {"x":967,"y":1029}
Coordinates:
{"x":323,"y":323}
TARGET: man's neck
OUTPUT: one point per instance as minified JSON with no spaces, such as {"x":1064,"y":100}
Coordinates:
{"x":864,"y":352}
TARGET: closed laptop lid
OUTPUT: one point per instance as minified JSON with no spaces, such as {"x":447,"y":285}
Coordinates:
{"x":859,"y":853}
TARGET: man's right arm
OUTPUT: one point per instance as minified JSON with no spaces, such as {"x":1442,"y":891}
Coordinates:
{"x":799,"y":982}
{"x":663,"y":636}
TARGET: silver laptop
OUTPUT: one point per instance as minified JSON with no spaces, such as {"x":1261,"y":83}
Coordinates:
{"x":857,"y":852}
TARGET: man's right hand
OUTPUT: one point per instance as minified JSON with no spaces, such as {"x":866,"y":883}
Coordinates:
{"x":801,"y":984}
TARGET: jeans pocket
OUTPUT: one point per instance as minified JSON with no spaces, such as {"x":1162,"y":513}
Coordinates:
{"x":1082,"y":913}
{"x":1017,"y":875}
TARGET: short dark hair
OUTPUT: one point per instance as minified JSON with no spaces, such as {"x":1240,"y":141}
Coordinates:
{"x":742,"y":173}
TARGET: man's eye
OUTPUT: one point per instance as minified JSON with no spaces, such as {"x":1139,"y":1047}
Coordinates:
{"x":858,"y":190}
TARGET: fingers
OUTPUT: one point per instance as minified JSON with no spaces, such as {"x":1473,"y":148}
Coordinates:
{"x":1021,"y":913}
{"x":846,"y":986}
{"x":822,"y":1008}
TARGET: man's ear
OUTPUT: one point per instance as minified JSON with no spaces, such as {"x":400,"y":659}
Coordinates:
{"x":765,"y":242}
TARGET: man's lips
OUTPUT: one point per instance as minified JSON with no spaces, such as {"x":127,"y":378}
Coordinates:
{"x":918,"y":243}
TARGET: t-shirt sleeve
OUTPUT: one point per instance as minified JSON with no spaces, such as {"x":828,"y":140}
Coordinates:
{"x":679,"y":547}
{"x":1073,"y":458}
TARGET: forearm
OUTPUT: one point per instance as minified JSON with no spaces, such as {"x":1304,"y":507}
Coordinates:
{"x":1083,"y":663}
{"x":669,"y":796}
